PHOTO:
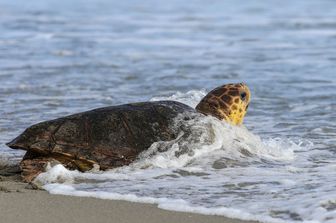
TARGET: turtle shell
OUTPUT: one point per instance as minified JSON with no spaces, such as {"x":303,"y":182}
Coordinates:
{"x":110,"y":136}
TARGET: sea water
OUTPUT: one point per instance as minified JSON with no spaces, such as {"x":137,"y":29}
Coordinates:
{"x":62,"y":57}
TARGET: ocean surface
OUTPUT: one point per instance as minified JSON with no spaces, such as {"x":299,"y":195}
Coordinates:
{"x":59,"y":57}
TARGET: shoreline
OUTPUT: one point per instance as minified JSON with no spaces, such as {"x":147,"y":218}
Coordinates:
{"x":20,"y":202}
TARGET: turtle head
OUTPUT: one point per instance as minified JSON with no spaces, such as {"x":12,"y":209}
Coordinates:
{"x":228,"y":102}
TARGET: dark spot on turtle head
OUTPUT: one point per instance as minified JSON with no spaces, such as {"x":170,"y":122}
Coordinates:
{"x":240,"y":110}
{"x":226,"y":98}
{"x":224,"y":107}
{"x":218,"y":92}
{"x":221,"y":103}
{"x":234,"y":92}
{"x":234,"y":107}
{"x":213,"y":104}
{"x":236,"y":100}
{"x":225,"y":89}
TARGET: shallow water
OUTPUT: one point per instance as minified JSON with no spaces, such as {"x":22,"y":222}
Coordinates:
{"x":61,"y":57}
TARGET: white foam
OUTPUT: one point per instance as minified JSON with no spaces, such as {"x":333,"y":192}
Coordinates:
{"x":191,"y":98}
{"x":56,"y":174}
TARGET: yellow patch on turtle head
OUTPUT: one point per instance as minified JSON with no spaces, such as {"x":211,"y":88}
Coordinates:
{"x":228,"y":102}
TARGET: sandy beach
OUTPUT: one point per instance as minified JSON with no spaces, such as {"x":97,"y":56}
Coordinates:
{"x":20,"y":202}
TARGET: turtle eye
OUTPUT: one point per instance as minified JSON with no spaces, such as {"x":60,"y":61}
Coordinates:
{"x":243,"y":96}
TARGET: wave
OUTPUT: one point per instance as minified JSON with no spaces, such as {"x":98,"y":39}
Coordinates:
{"x":210,"y":168}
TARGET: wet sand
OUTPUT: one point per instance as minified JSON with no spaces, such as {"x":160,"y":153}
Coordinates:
{"x":20,"y":202}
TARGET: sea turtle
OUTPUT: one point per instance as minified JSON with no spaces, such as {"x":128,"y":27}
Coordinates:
{"x":114,"y":136}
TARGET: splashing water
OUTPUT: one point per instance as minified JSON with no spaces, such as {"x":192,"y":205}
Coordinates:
{"x":213,"y":168}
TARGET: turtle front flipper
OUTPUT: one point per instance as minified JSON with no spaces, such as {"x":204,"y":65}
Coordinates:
{"x":32,"y":165}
